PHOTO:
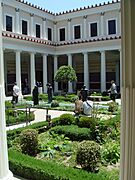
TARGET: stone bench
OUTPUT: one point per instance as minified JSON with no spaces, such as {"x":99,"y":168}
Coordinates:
{"x":95,"y":98}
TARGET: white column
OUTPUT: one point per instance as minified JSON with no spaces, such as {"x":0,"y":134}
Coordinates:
{"x":70,"y":87}
{"x":17,"y":22}
{"x":55,"y":69}
{"x":119,"y":22}
{"x":84,"y":26}
{"x":5,"y":174}
{"x":86,"y":70}
{"x":103,"y":71}
{"x":102,"y":24}
{"x":18,"y":70}
{"x":45,"y":72}
{"x":117,"y":74}
{"x":69,"y":29}
{"x":44,"y":31}
{"x":120,"y":70}
{"x":55,"y":32}
{"x":31,"y":24}
{"x":32,"y":70}
{"x":127,"y":164}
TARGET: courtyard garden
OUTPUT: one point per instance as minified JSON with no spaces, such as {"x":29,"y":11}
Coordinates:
{"x":70,"y":147}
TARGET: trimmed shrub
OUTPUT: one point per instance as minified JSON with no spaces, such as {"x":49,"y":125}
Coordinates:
{"x":113,"y":106}
{"x":29,"y":142}
{"x":110,"y":152}
{"x":30,"y":168}
{"x":73,"y":132}
{"x":88,"y":155}
{"x":88,"y":122}
{"x":54,"y":103}
{"x":66,"y":119}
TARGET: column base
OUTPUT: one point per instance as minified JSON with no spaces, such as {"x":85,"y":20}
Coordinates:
{"x":8,"y":177}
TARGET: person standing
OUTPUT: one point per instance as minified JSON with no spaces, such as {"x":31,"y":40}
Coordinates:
{"x":84,"y":93}
{"x":35,"y":95}
{"x":16,"y":92}
{"x":113,"y":91}
{"x":49,"y":92}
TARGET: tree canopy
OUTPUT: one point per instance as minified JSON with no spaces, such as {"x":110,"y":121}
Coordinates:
{"x":65,"y":74}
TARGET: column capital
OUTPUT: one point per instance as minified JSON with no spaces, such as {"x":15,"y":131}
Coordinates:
{"x":84,"y":53}
{"x":44,"y":54}
{"x":18,"y":51}
{"x":102,"y":51}
{"x":69,"y":54}
{"x":32,"y":53}
{"x":17,"y":9}
{"x":44,"y":19}
{"x":102,"y":13}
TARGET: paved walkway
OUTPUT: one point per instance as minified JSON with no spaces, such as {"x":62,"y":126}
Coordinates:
{"x":40,"y":115}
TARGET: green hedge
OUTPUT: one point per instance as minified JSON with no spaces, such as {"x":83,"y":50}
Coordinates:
{"x":30,"y":168}
{"x":73,"y":132}
{"x":11,"y":134}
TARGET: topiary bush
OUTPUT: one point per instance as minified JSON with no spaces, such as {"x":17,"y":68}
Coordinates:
{"x":29,"y":142}
{"x":66,"y":119}
{"x":88,"y":155}
{"x":54,"y":103}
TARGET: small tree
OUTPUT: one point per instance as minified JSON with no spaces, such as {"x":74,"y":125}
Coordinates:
{"x":65,"y":74}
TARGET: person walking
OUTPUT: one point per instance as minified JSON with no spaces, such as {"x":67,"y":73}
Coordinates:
{"x":16,"y":92}
{"x":113,"y":91}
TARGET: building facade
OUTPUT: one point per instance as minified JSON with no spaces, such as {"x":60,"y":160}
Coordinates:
{"x":36,"y":42}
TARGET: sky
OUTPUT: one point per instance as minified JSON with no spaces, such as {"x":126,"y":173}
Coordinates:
{"x":56,"y":6}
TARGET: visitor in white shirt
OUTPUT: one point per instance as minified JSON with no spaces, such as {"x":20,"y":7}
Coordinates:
{"x":87,"y":107}
{"x":16,"y":92}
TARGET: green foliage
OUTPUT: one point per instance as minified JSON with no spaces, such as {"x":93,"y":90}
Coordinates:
{"x":66,"y":119}
{"x":65,"y":73}
{"x":54,"y":103}
{"x":73,"y":132}
{"x":29,"y":141}
{"x":28,"y":98}
{"x":88,"y":122}
{"x":113,"y":106}
{"x":54,"y":145}
{"x":12,"y":134}
{"x":88,"y":155}
{"x":105,"y":98}
{"x":31,"y":168}
{"x":109,"y":128}
{"x":110,"y":152}
{"x":14,"y":116}
{"x":43,"y":97}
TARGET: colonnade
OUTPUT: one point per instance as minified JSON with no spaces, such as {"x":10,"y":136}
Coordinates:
{"x":86,"y":66}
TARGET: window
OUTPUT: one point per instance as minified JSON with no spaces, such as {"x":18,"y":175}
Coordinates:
{"x":62,"y":34}
{"x":77,"y":32}
{"x":24,"y":27}
{"x":93,"y":29}
{"x":50,"y":34}
{"x":9,"y":23}
{"x":111,"y":27}
{"x":37,"y":31}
